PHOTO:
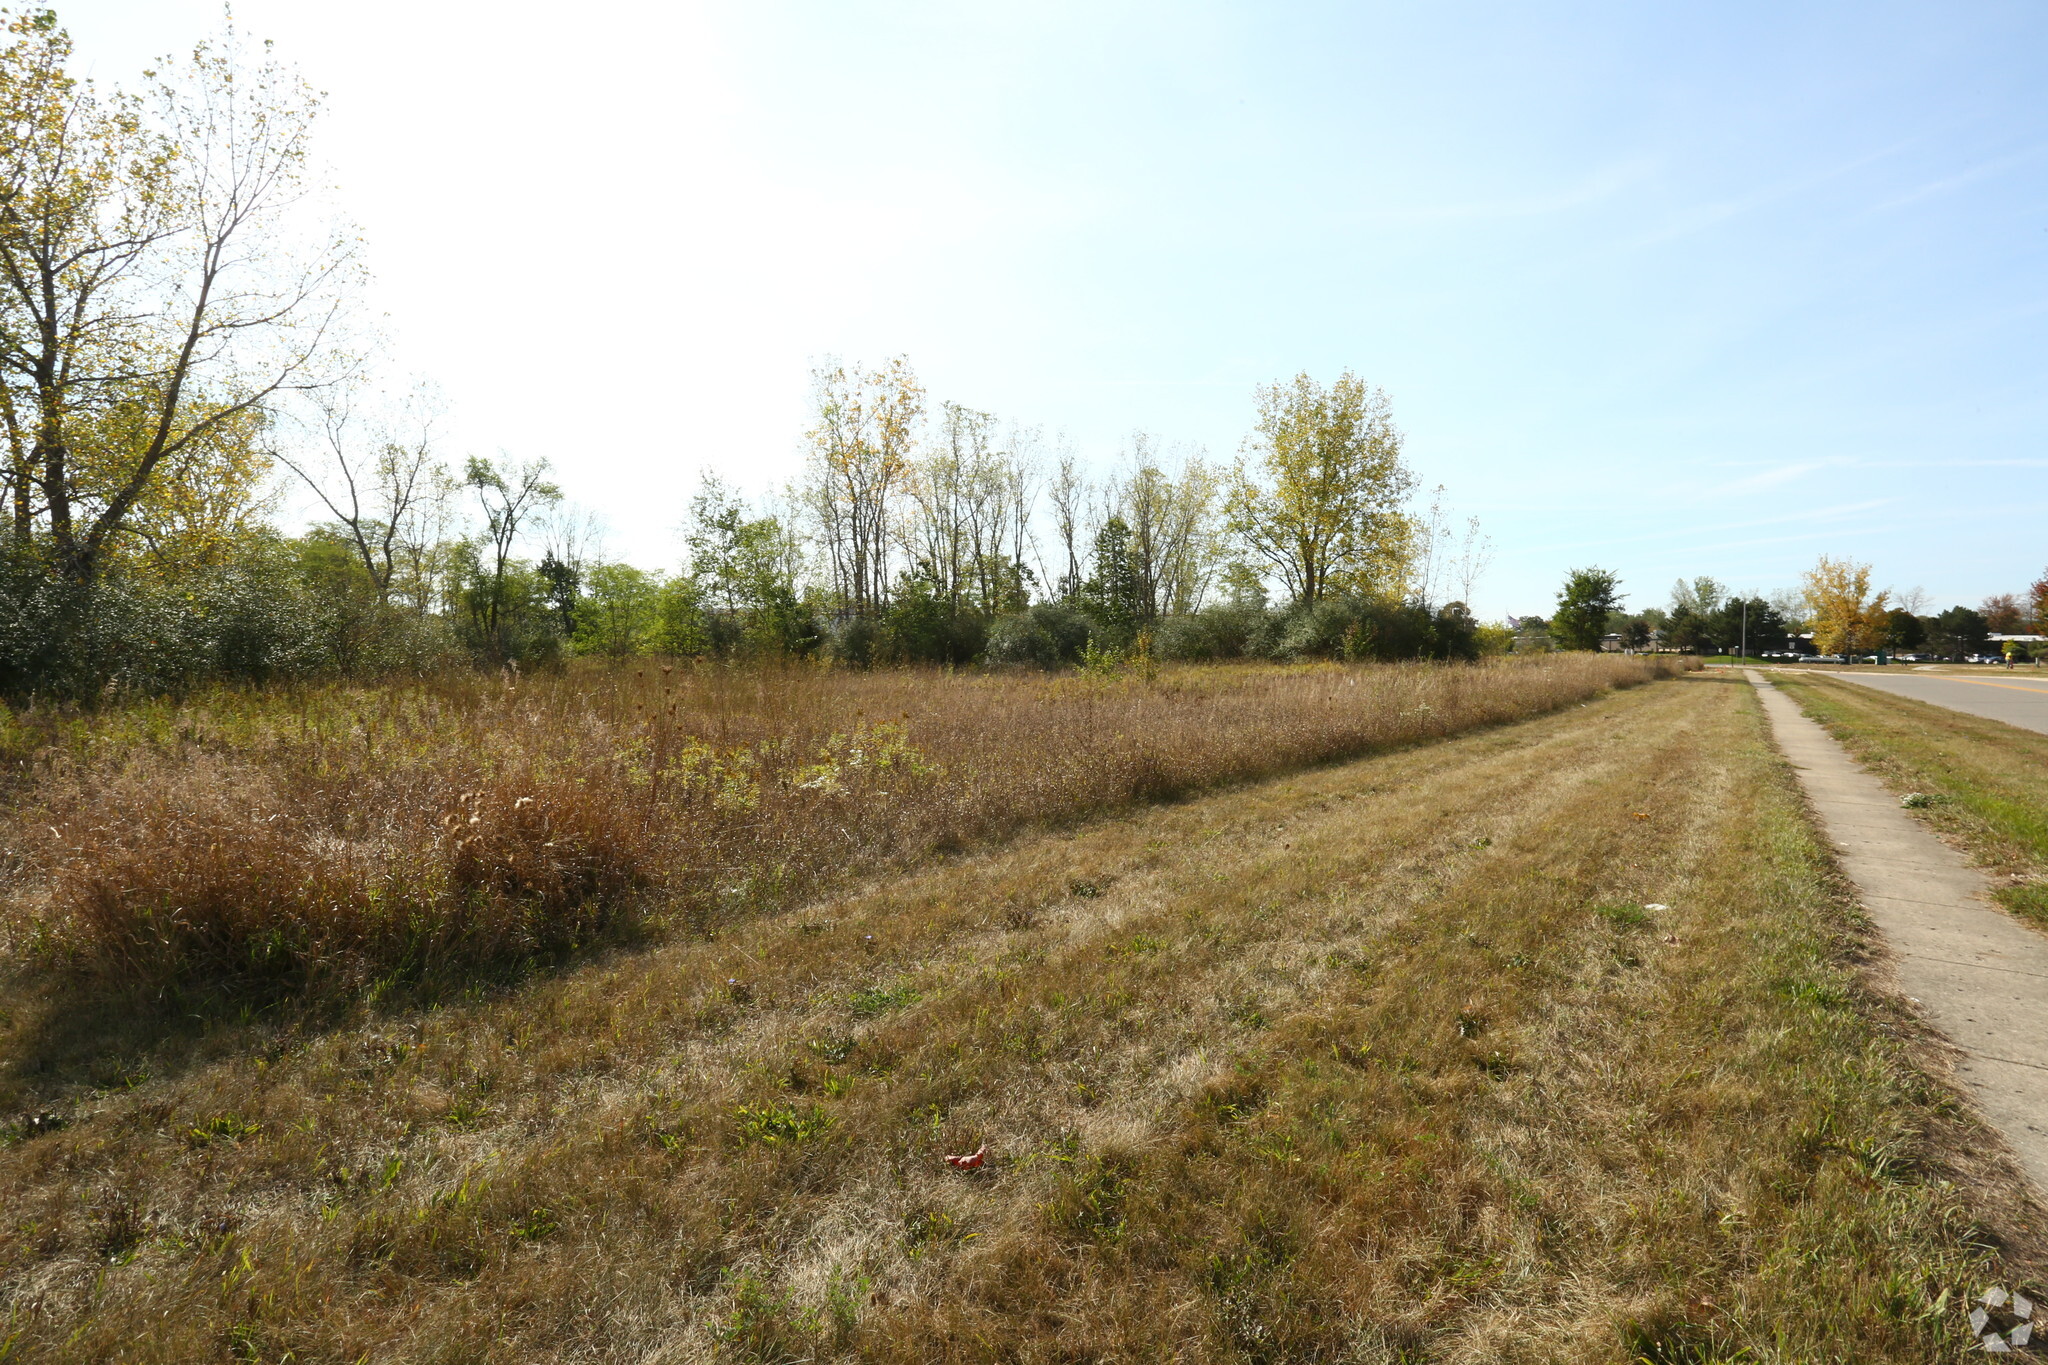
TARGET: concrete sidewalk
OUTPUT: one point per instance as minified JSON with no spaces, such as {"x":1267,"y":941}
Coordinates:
{"x":1978,"y":976}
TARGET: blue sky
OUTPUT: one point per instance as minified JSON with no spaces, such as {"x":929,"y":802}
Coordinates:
{"x":1713,"y":290}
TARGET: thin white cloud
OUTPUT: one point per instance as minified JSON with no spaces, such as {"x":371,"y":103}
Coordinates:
{"x":1700,"y":217}
{"x":1948,"y":184}
{"x":1601,"y":185}
{"x":1771,"y":478}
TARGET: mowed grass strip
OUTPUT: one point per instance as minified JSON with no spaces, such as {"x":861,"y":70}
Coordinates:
{"x":1386,"y":1061}
{"x":1986,"y":782}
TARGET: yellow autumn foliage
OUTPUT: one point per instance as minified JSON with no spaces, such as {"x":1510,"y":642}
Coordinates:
{"x":1846,"y":617}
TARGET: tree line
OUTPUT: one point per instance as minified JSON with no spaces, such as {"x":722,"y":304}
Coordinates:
{"x":178,"y":336}
{"x":911,"y":537}
{"x":1834,"y":611}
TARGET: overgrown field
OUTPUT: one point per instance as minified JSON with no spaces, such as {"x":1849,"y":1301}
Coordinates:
{"x":1543,"y":1043}
{"x":341,"y":837}
{"x":1985,"y":783}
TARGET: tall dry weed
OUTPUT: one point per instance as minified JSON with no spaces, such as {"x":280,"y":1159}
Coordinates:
{"x":328,"y":837}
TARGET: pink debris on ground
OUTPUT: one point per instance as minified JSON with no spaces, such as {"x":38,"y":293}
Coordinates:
{"x":971,"y":1160}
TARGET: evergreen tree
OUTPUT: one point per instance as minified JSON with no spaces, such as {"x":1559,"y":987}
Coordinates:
{"x":1110,"y":597}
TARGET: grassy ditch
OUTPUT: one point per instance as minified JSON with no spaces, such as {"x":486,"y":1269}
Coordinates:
{"x":333,"y":839}
{"x":1985,"y":782}
{"x":1544,"y":1043}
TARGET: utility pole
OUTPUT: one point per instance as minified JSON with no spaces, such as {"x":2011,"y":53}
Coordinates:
{"x":1745,"y":630}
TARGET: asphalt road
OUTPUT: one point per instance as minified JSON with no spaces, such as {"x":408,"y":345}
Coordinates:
{"x":2016,"y":698}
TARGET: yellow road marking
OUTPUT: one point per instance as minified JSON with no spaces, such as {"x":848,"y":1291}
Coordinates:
{"x":1986,"y":682}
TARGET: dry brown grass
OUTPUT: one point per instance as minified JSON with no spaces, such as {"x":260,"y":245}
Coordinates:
{"x":325,"y":838}
{"x":1383,"y":1061}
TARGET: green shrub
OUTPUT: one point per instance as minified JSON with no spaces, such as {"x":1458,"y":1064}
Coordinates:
{"x":1219,"y":632}
{"x":272,"y":612}
{"x":1047,"y":636}
{"x":924,"y":627}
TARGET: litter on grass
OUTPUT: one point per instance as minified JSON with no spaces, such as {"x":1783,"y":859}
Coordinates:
{"x":1989,"y":1320}
{"x":971,"y":1161}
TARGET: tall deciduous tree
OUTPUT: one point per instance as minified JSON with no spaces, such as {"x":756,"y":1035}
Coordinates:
{"x":509,"y":500}
{"x":960,"y":493}
{"x":1790,"y":604}
{"x":1589,"y":597}
{"x":1474,"y":555}
{"x":205,"y":511}
{"x":966,"y":528}
{"x":374,"y":472}
{"x":619,"y":613}
{"x":745,"y":567}
{"x":2003,"y":613}
{"x":1844,"y":614}
{"x":1318,"y":492}
{"x":1447,"y":563}
{"x":153,"y":289}
{"x":1701,"y":596}
{"x":1170,"y":515}
{"x":863,"y":431}
{"x":1068,"y":493}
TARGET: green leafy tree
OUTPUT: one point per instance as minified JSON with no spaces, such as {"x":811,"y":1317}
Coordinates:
{"x":502,"y":608}
{"x":508,"y":499}
{"x":1688,"y":631}
{"x":1588,"y":598}
{"x":680,"y":625}
{"x":1532,"y":635}
{"x":1492,"y":639}
{"x":1904,"y":630}
{"x":1317,"y":496}
{"x":1454,"y":633}
{"x":564,"y":587}
{"x":1753,"y":616}
{"x":924,"y":624}
{"x":1243,"y":587}
{"x":619,"y":612}
{"x":155,"y":291}
{"x":1959,"y":631}
{"x":1701,"y":596}
{"x":746,"y":568}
